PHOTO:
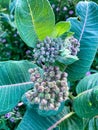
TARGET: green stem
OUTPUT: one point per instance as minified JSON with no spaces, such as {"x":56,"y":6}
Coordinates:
{"x":71,"y":96}
{"x":61,"y":120}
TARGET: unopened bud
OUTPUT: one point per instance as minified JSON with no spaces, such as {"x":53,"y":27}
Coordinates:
{"x":47,"y":96}
{"x":39,"y":80}
{"x":41,"y":95}
{"x":63,"y":83}
{"x":57,"y":90}
{"x":60,"y":99}
{"x":31,"y":70}
{"x":37,"y":75}
{"x":63,"y":89}
{"x":47,"y":89}
{"x":51,"y":107}
{"x":33,"y":79}
{"x":40,"y":89}
{"x":43,"y":102}
{"x":52,"y":100}
{"x":37,"y":100}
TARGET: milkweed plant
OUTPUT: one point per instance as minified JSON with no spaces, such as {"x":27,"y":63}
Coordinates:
{"x":61,"y":53}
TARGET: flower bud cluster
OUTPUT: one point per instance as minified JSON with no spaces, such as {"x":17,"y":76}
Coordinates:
{"x":72,"y":45}
{"x":46,"y":51}
{"x":50,"y":91}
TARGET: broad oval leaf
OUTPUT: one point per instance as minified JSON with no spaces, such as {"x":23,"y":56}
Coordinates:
{"x":14,"y":82}
{"x":87,"y":83}
{"x":86,"y":31}
{"x":34,"y":20}
{"x":61,"y":28}
{"x":72,"y":123}
{"x":91,"y":124}
{"x":33,"y":121}
{"x":86,"y":103}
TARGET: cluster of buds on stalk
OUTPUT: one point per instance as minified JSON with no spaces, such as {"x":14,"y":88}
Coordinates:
{"x":73,"y":45}
{"x":51,"y":90}
{"x":49,"y":49}
{"x":46,"y":51}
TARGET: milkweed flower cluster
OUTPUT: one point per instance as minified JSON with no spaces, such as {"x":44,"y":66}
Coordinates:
{"x":48,"y":50}
{"x":51,"y":90}
{"x":73,"y":45}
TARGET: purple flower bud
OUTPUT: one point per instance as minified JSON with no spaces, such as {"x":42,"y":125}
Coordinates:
{"x":43,"y":102}
{"x":51,"y":107}
{"x":88,"y":73}
{"x":4,"y":40}
{"x":42,"y":48}
{"x":71,"y":12}
{"x":40,"y":89}
{"x":52,"y":49}
{"x":33,"y":78}
{"x":28,"y":52}
{"x":15,"y":35}
{"x":12,"y":119}
{"x":47,"y":53}
{"x":43,"y":52}
{"x":8,"y":115}
{"x":37,"y":75}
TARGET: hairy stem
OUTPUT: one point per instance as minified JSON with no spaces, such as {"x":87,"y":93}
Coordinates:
{"x":62,"y":119}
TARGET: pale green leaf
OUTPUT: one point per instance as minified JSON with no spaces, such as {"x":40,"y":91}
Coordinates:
{"x":34,"y":20}
{"x":61,"y":28}
{"x":67,"y":60}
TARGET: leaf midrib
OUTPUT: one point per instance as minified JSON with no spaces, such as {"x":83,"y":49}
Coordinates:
{"x":15,"y":85}
{"x":31,"y":16}
{"x":84,"y":25}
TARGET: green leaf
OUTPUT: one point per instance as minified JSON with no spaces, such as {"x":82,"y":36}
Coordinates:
{"x":91,"y":124}
{"x":14,"y":82}
{"x":33,"y":121}
{"x":34,"y":20}
{"x":87,"y":83}
{"x":61,"y":28}
{"x":67,"y":60}
{"x":72,"y":123}
{"x":86,"y":31}
{"x":86,"y":103}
